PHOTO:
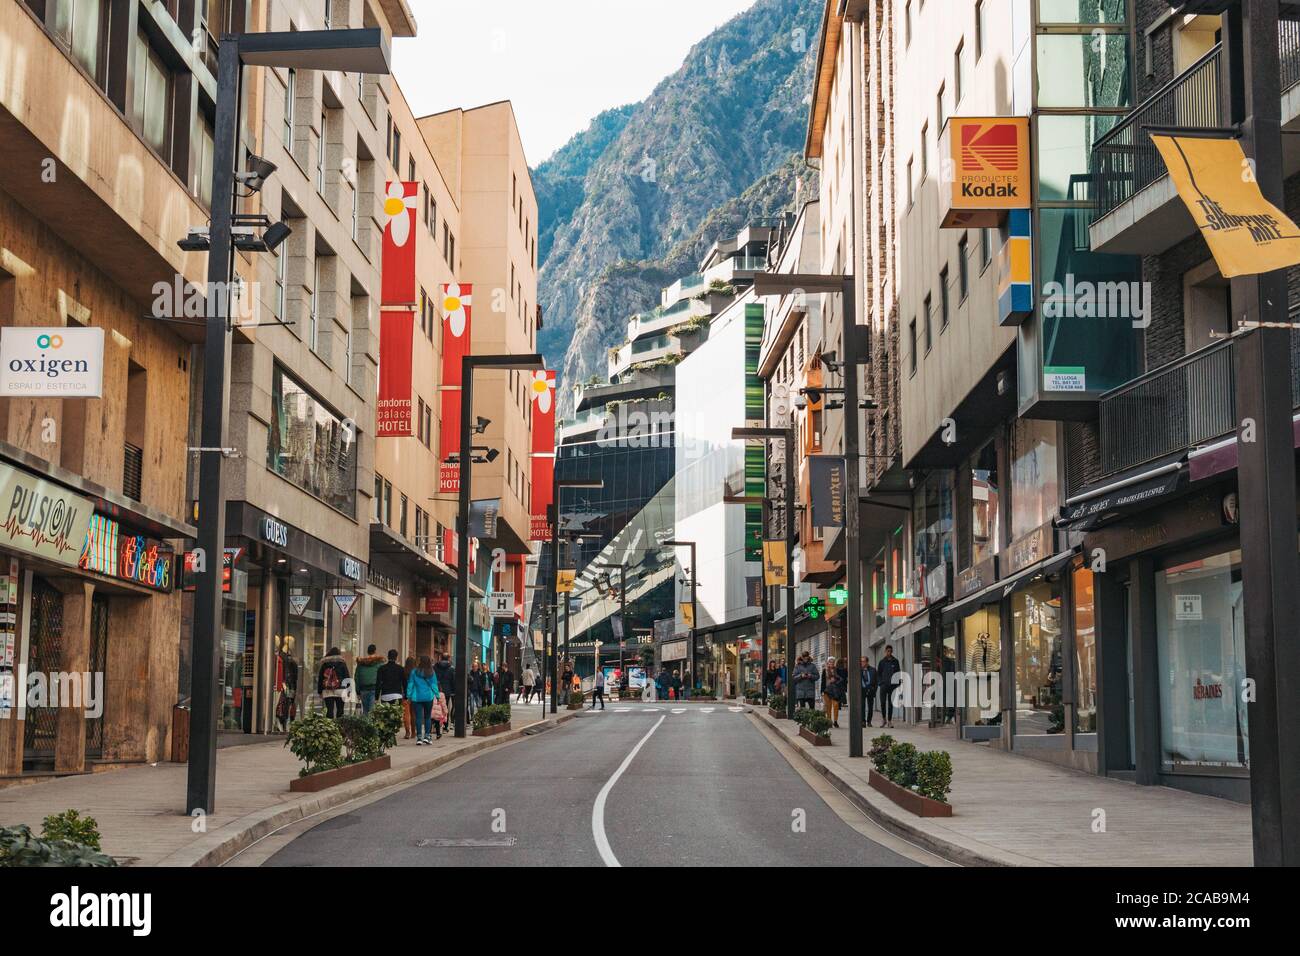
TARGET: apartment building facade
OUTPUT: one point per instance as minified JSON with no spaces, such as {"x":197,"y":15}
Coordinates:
{"x":103,"y":154}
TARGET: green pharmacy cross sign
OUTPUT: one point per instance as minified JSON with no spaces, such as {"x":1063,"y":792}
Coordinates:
{"x":816,"y":608}
{"x":840,"y":594}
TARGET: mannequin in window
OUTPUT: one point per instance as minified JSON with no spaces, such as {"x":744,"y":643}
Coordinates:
{"x":286,"y":682}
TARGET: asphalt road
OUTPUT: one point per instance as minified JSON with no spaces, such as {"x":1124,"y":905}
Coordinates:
{"x":703,"y":788}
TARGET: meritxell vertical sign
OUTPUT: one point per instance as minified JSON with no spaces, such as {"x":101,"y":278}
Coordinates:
{"x":826,"y":476}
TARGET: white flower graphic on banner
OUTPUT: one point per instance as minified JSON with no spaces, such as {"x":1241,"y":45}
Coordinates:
{"x":454,"y":304}
{"x":396,"y":203}
{"x":543,"y":387}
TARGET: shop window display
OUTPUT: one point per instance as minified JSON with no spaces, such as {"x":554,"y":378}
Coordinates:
{"x":981,"y":646}
{"x":1036,"y":623}
{"x":1085,"y":652}
{"x":1200,"y":641}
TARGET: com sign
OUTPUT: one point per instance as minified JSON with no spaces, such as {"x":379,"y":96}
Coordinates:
{"x":61,"y":362}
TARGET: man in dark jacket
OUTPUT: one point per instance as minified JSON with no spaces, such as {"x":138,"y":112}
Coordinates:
{"x":804,"y":680}
{"x":868,"y":675}
{"x":390,"y":680}
{"x":886,"y":671}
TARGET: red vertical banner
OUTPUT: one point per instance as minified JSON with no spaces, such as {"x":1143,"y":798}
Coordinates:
{"x":542,"y":393}
{"x":457,"y":304}
{"x":393,"y":417}
{"x":400,"y":202}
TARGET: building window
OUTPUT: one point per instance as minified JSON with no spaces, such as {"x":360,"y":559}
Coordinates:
{"x":958,"y":76}
{"x":310,"y":446}
{"x":153,"y":97}
{"x":320,"y":153}
{"x":313,"y":318}
{"x":328,"y":19}
{"x":911,"y":191}
{"x":1085,"y":650}
{"x":986,"y":249}
{"x":377,"y":503}
{"x":201,"y":174}
{"x":981,"y":27}
{"x":907,"y":23}
{"x":925,"y":151}
{"x":911,"y":336}
{"x":397,"y":148}
{"x":356,"y":209}
{"x":963,"y":272}
{"x":290,"y":94}
{"x":347,"y":354}
{"x":929,"y":308}
{"x":281,"y":259}
{"x":943,"y":298}
{"x":986,"y":504}
{"x":81,"y":25}
{"x":1040,"y":678}
{"x":402,"y":514}
{"x":938,"y":108}
{"x":1200,"y":647}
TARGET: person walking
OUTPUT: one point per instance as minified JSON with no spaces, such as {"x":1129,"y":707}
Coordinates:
{"x":408,"y":718}
{"x":506,"y":683}
{"x":539,"y":686}
{"x":475,"y":689}
{"x":422,"y":689}
{"x":648,"y":690}
{"x":367,"y":670}
{"x":446,"y":675}
{"x":831,"y":691}
{"x":566,"y":682}
{"x":886,"y":671}
{"x":868,"y":675}
{"x":598,"y":689}
{"x":677,"y":686}
{"x":526,"y":685}
{"x":332,"y":682}
{"x":390,"y":681}
{"x":804,"y":679}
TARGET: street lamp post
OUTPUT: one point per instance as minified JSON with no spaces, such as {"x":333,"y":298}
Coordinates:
{"x":557,"y":484}
{"x":358,"y":51}
{"x":622,"y":613}
{"x":695,"y":607}
{"x":785,"y":435}
{"x":768,"y":283}
{"x":470,"y":364}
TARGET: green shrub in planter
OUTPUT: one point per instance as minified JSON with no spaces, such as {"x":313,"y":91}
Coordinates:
{"x":361,"y":738}
{"x":71,"y":827}
{"x":388,"y":719}
{"x":817,"y":723}
{"x":316,"y":740}
{"x":776,"y":701}
{"x":879,"y":751}
{"x":900,"y":765}
{"x":19,"y":847}
{"x":491,"y":716}
{"x":576,"y":698}
{"x":934,"y":775}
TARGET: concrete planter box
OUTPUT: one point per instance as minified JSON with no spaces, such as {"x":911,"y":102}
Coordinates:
{"x":982,"y":732}
{"x":330,"y":778}
{"x":491,"y":730}
{"x":777,"y":714}
{"x":909,"y":801}
{"x":576,"y":706}
{"x":814,"y":739}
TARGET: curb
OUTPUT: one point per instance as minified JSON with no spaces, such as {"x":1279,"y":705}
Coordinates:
{"x":217,"y":848}
{"x":887,"y":818}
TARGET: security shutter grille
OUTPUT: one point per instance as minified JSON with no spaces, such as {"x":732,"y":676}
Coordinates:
{"x":98,"y":665}
{"x":132,"y":469}
{"x":44,"y":657}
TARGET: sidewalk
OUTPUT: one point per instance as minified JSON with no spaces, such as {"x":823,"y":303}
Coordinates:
{"x":1010,"y":810}
{"x":141,"y":810}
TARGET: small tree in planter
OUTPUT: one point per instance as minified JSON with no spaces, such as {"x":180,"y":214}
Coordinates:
{"x":900,"y":765}
{"x":361,"y":738}
{"x":814,"y":724}
{"x":493,"y":715}
{"x":315,"y":739}
{"x":388,"y":720}
{"x":776,"y":703}
{"x":576,"y":699}
{"x":879,"y":751}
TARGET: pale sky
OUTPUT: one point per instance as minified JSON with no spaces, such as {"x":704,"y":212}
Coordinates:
{"x":560,"y":61}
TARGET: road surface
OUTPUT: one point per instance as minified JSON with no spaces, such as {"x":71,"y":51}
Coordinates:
{"x":687,"y":784}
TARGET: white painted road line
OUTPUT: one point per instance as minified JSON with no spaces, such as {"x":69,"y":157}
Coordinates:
{"x":598,"y":809}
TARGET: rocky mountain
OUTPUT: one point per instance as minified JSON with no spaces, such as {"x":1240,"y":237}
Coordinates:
{"x":624,"y":204}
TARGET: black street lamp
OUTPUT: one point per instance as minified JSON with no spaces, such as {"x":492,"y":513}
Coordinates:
{"x":469,"y":365}
{"x":855,"y":352}
{"x":557,"y":484}
{"x":356,"y":51}
{"x":785,"y":435}
{"x":695,"y":607}
{"x":622,"y":614}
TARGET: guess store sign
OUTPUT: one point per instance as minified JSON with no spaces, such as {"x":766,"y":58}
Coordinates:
{"x":130,"y":557}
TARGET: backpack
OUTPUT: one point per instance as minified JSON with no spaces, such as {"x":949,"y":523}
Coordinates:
{"x":330,"y":678}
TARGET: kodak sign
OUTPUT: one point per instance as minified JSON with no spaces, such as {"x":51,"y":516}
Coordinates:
{"x":985,"y":170}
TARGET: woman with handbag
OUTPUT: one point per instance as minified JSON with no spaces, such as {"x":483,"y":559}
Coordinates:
{"x":422,"y":691}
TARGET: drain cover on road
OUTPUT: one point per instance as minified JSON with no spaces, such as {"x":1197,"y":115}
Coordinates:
{"x":465,"y":842}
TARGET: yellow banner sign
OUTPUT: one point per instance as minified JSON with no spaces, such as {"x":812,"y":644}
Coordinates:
{"x":1246,"y":233}
{"x":688,"y":613}
{"x":564,"y":580}
{"x":774,"y":565}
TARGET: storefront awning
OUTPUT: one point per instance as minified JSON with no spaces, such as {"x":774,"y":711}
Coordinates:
{"x":998,"y":590}
{"x":1093,"y":506}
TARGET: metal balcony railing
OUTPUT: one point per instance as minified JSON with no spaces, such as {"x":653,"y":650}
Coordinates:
{"x":1178,"y":406}
{"x":1125,"y":161}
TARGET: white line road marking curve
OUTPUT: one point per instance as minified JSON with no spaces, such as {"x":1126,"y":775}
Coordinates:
{"x":598,"y":808}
